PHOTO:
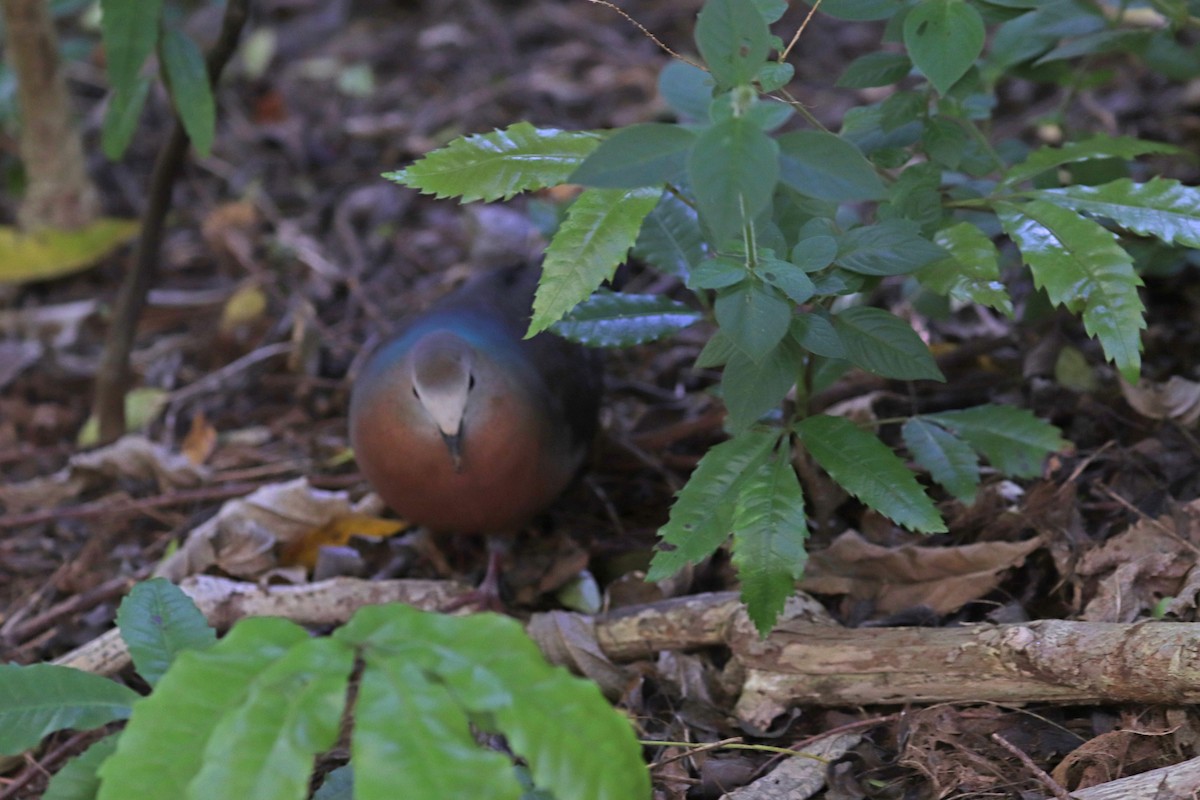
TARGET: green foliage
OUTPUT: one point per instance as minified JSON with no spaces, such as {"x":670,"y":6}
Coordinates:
{"x":783,"y":234}
{"x":132,"y":30}
{"x":246,"y":716}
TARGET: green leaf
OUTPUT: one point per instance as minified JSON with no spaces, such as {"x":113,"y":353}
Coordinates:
{"x":719,"y":273}
{"x":40,"y":699}
{"x":943,"y":37}
{"x":754,"y":316}
{"x":825,"y":166}
{"x":866,"y":468}
{"x":78,"y":779}
{"x":815,"y":333}
{"x":1162,"y":208}
{"x":187,"y":77}
{"x":500,"y":164}
{"x":601,"y":226}
{"x":815,"y":252}
{"x":264,"y":748}
{"x":1099,"y":146}
{"x":687,"y":89}
{"x":972,"y":272}
{"x":436,"y":732}
{"x":893,"y":247}
{"x":884,"y":344}
{"x":1013,"y":439}
{"x":775,"y":75}
{"x":158,"y":622}
{"x":162,"y":748}
{"x":945,"y":141}
{"x":950,"y":461}
{"x":639,"y":155}
{"x":1081,"y":266}
{"x":702,"y":515}
{"x":717,"y":351}
{"x":129,"y":29}
{"x":670,"y":239}
{"x":753,"y":387}
{"x":611,"y":319}
{"x":338,"y":785}
{"x":769,"y":532}
{"x":875,"y":69}
{"x":771,"y":10}
{"x":121,"y":117}
{"x":559,"y":724}
{"x":787,"y":278}
{"x":734,"y":40}
{"x":733,"y":169}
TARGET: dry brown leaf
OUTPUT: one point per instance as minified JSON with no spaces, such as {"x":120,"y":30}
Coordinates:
{"x":1177,"y":399}
{"x":896,"y":579}
{"x":1133,"y":570}
{"x":245,"y":535}
{"x":200,"y":441}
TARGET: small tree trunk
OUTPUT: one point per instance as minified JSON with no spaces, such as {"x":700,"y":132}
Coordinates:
{"x":59,"y":194}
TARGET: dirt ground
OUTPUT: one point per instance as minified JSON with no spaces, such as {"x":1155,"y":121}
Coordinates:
{"x":287,"y":255}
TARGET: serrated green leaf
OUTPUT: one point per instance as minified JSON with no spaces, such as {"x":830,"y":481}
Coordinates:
{"x":497,"y":165}
{"x":733,"y":169}
{"x":892,"y":247}
{"x":121,"y":117}
{"x":734,"y":40}
{"x":559,"y":724}
{"x":945,"y":141}
{"x":865,"y":467}
{"x":670,"y":239}
{"x":601,"y":226}
{"x":769,"y":533}
{"x":971,"y":273}
{"x":825,"y":166}
{"x":687,"y":89}
{"x":1162,"y":208}
{"x":612,"y":319}
{"x":39,"y":699}
{"x":1081,"y":266}
{"x":162,"y":748}
{"x":158,"y":622}
{"x":702,"y":514}
{"x":265,"y":747}
{"x":815,"y":333}
{"x":943,"y":37}
{"x":752,"y":388}
{"x":1099,"y":146}
{"x":950,"y":461}
{"x":1013,"y":439}
{"x":875,"y":69}
{"x":650,"y":154}
{"x":129,"y":29}
{"x":78,"y":779}
{"x":187,"y":77}
{"x":884,"y":344}
{"x":754,"y":316}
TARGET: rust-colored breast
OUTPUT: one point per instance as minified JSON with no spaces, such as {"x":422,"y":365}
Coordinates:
{"x":513,"y":465}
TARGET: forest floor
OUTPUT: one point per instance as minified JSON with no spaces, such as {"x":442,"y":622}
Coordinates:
{"x":288,"y":254}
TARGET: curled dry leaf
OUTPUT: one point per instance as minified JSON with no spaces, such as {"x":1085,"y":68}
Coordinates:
{"x":1126,"y":576}
{"x":1177,"y":399}
{"x":245,"y":535}
{"x":896,"y":579}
